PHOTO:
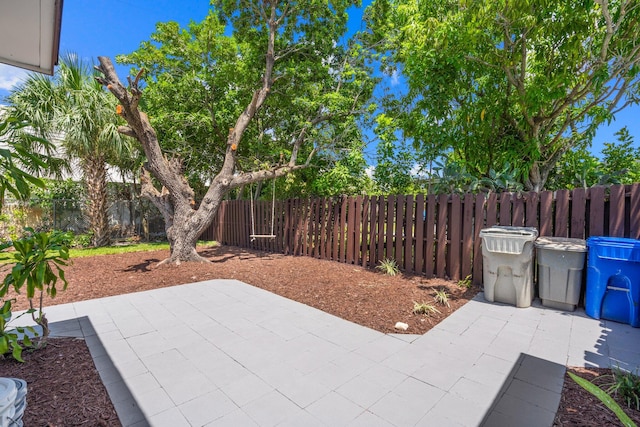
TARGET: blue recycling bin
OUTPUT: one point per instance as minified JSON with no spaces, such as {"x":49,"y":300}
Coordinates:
{"x":613,"y":279}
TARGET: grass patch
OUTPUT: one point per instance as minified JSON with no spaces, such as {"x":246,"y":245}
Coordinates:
{"x":118,"y":249}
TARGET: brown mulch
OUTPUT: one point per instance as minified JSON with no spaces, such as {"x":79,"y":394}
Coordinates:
{"x":64,"y":388}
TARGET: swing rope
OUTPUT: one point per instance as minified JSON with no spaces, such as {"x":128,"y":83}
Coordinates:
{"x":253,"y":234}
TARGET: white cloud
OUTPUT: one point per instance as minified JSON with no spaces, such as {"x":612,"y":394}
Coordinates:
{"x":11,"y":76}
{"x":395,"y":78}
{"x":370,"y":171}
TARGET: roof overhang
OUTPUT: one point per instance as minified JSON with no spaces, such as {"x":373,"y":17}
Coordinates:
{"x":30,"y":33}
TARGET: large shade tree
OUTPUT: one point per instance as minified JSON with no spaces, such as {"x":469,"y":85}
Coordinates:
{"x":518,"y":82}
{"x":72,"y":105}
{"x":257,"y":104}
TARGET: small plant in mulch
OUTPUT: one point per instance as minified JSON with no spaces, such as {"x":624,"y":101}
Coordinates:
{"x":466,"y":282}
{"x":441,"y":296}
{"x":38,"y":259}
{"x":626,"y":385}
{"x":389,"y":267}
{"x":424,"y":308}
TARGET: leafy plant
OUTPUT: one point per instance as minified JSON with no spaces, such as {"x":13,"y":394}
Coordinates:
{"x":38,"y":258}
{"x":424,"y":308}
{"x":10,"y":337}
{"x":626,"y":385}
{"x":604,"y":398}
{"x":441,"y":296}
{"x":466,"y":282}
{"x":389,"y":267}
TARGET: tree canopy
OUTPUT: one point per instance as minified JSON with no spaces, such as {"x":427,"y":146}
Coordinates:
{"x":515,"y":82}
{"x":233,"y":109}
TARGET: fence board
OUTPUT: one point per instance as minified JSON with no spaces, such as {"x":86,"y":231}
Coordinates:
{"x":419,"y":234}
{"x":467,"y":236}
{"x":454,"y":231}
{"x":357,"y":229}
{"x":477,"y":242}
{"x":409,"y":231}
{"x":366,"y":231}
{"x":578,"y":206}
{"x":634,"y":211}
{"x":505,"y":208}
{"x":399,"y":229}
{"x":492,"y":210}
{"x":531,"y":209}
{"x":429,"y":253}
{"x":562,"y":214}
{"x":382,"y":220}
{"x":596,"y":211}
{"x":616,"y":211}
{"x":441,"y":227}
{"x":518,"y":210}
{"x":546,"y":214}
{"x":391,"y":203}
{"x":373,"y":230}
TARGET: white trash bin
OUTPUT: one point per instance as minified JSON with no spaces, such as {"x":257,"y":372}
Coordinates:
{"x":507,"y":258}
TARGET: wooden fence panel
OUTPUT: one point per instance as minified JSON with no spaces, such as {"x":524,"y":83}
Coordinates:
{"x":578,"y":213}
{"x":430,"y":235}
{"x":596,"y":211}
{"x":616,"y":210}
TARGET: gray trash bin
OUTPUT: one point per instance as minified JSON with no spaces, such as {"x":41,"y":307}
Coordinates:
{"x":560,"y":265}
{"x":507,"y":258}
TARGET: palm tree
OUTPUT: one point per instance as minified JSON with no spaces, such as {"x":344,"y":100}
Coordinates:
{"x":74,"y":105}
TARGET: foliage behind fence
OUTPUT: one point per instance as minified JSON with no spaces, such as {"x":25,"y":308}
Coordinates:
{"x":434,"y":235}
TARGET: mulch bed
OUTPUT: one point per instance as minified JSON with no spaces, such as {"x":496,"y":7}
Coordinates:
{"x":65,"y":388}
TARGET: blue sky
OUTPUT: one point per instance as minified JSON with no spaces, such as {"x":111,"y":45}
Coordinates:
{"x":111,"y":27}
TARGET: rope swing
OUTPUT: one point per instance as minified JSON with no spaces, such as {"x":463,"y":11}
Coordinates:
{"x":253,"y":236}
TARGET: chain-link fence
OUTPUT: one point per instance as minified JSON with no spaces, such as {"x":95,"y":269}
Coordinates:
{"x":127,"y":218}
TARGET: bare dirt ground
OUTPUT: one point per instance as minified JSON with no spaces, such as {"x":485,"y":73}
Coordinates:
{"x":65,"y":388}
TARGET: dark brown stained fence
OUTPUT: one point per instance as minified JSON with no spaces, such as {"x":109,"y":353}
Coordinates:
{"x":431,"y":235}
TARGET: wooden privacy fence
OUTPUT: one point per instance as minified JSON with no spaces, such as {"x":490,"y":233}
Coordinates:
{"x":433,"y":235}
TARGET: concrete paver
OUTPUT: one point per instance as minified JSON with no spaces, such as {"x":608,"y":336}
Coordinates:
{"x":223,"y":353}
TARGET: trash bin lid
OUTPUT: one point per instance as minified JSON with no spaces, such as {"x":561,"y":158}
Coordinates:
{"x":561,"y":244}
{"x":530,"y":233}
{"x":613,"y":241}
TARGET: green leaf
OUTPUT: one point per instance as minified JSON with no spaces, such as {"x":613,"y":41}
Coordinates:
{"x":4,"y":344}
{"x":17,"y":353}
{"x":604,"y":398}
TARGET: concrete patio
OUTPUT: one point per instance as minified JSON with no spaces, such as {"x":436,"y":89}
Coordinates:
{"x":224,"y":353}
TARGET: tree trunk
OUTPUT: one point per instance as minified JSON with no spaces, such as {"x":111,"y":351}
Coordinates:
{"x":96,"y":178}
{"x":538,"y":176}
